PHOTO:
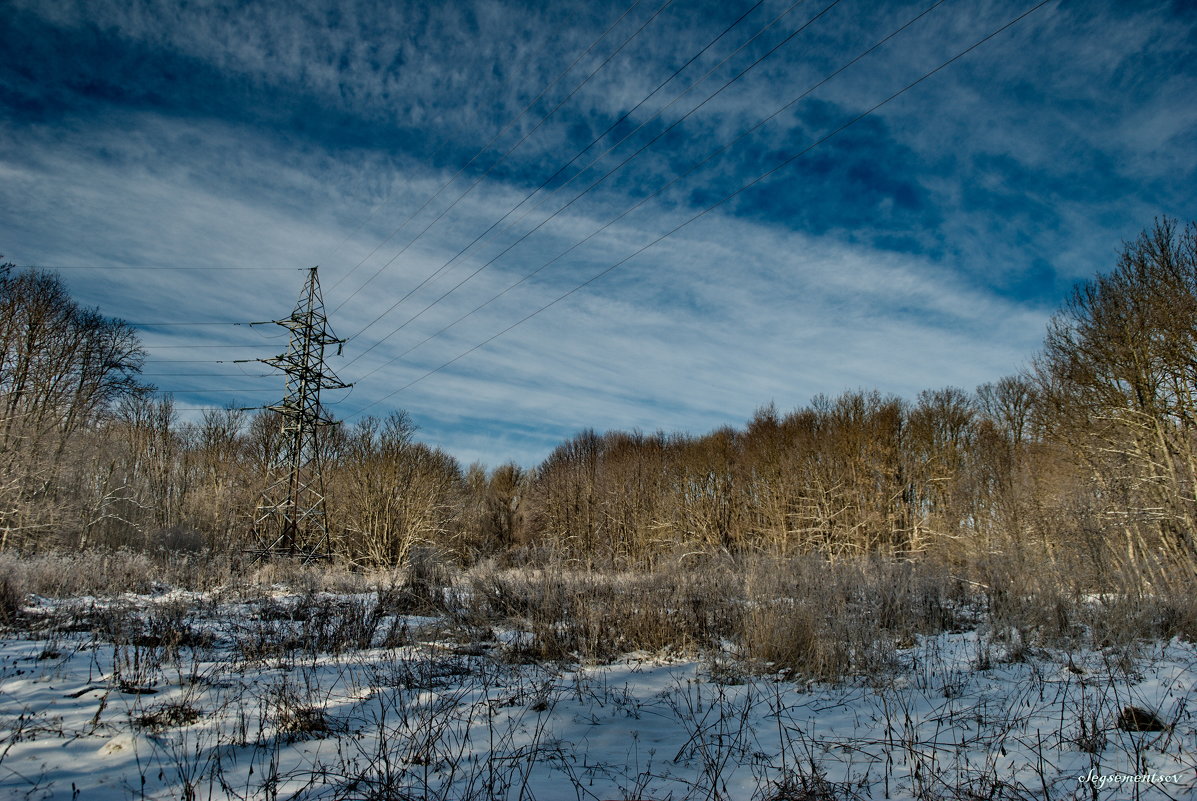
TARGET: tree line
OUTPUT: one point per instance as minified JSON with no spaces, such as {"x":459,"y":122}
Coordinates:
{"x":1089,"y":456}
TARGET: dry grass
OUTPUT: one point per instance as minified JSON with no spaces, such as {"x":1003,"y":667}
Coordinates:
{"x":829,"y":619}
{"x":799,"y":615}
{"x":168,"y":715}
{"x":106,"y":572}
{"x":11,"y":598}
{"x":570,"y":615}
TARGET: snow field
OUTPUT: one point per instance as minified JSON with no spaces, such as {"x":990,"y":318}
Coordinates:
{"x":183,"y":695}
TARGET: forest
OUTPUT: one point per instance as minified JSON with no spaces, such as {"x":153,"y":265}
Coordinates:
{"x":1086,"y":461}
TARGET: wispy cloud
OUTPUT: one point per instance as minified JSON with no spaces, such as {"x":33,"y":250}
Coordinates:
{"x":924,"y":246}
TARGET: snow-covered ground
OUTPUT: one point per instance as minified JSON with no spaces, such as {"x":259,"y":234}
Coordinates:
{"x":191,"y":696}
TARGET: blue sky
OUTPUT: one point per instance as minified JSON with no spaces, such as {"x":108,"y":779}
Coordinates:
{"x":924,"y":245}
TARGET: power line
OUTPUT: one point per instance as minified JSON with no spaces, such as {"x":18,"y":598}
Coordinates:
{"x":261,"y":334}
{"x":163,"y":324}
{"x":565,"y":166}
{"x":650,"y":95}
{"x":643,"y":200}
{"x":140,"y":267}
{"x":208,"y":391}
{"x":548,"y":87}
{"x":656,"y":115}
{"x":206,"y":375}
{"x":602,"y":178}
{"x":763,"y":176}
{"x":508,"y":152}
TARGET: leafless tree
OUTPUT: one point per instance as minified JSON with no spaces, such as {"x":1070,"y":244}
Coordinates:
{"x":1117,"y":382}
{"x":61,"y":366}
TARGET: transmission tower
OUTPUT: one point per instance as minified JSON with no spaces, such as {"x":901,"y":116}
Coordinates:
{"x":290,"y":519}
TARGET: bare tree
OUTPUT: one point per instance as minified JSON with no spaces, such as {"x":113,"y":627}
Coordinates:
{"x":495,"y":516}
{"x":388,"y":494}
{"x":1117,"y":382}
{"x":1009,"y":403}
{"x":61,"y":366}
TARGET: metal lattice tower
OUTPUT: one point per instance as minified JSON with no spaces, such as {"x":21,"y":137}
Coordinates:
{"x":290,"y":519}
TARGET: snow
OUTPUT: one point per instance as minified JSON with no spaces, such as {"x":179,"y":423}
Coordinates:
{"x":422,"y":717}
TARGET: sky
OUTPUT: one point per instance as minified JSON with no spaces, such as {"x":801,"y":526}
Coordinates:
{"x":532,"y":219}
